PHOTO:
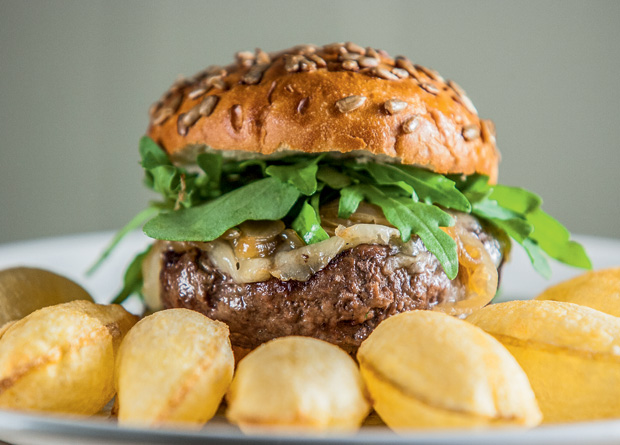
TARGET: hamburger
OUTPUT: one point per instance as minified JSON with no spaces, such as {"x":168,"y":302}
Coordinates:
{"x":317,"y":191}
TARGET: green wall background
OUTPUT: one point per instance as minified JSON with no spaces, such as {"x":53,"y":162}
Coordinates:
{"x":77,"y":78}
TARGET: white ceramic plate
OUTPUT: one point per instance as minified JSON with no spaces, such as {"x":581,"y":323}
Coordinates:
{"x":72,"y":255}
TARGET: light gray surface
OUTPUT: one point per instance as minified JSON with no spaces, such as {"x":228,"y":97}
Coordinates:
{"x":76,"y":79}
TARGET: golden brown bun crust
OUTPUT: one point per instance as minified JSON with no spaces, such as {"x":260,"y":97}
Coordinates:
{"x":290,"y":101}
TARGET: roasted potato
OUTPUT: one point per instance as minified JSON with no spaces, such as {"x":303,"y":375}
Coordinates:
{"x":23,"y":290}
{"x":570,"y":353}
{"x":5,"y":327}
{"x":173,"y":367}
{"x":426,"y":369}
{"x":61,"y":358}
{"x":599,"y":290}
{"x":297,"y":383}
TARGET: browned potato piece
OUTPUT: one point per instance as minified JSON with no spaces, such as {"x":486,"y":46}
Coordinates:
{"x":61,"y":358}
{"x":23,"y":290}
{"x":570,"y":353}
{"x":599,"y":290}
{"x":5,"y":327}
{"x":173,"y":367}
{"x":297,"y":383}
{"x":426,"y":369}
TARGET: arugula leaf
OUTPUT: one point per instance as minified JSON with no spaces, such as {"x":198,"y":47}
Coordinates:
{"x":135,"y":223}
{"x":166,"y":180}
{"x":315,"y":202}
{"x":211,"y":164}
{"x":152,"y":155}
{"x":540,"y":263}
{"x":308,"y":225}
{"x":244,"y":165}
{"x":432,"y":188}
{"x":468,"y":183}
{"x":554,"y":239}
{"x":490,"y":209}
{"x":515,"y":198}
{"x":172,"y":182}
{"x":133,"y":279}
{"x":437,"y":189}
{"x":332,"y":177}
{"x":515,"y":228}
{"x":512,"y":223}
{"x":267,"y":198}
{"x":422,"y":219}
{"x":517,"y":212}
{"x":302,"y":176}
{"x":384,"y":174}
{"x":350,"y":198}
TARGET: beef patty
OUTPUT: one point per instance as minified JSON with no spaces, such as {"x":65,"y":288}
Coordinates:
{"x":342,"y":303}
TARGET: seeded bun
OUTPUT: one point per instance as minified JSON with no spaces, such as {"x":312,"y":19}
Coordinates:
{"x":338,"y":98}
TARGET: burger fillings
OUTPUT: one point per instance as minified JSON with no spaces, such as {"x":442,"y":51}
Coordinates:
{"x":319,"y":190}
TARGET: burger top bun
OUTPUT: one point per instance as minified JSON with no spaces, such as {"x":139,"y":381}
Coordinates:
{"x":336,"y":98}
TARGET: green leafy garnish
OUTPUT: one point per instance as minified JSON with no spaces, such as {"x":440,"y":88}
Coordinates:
{"x":152,"y":155}
{"x":332,"y":177}
{"x":554,"y":239}
{"x":133,"y":279}
{"x":202,"y":205}
{"x":211,"y":164}
{"x":308,"y":224}
{"x":537,"y":258}
{"x":515,"y":198}
{"x":350,"y":199}
{"x":301,"y":175}
{"x":136,"y":222}
{"x":423,"y":185}
{"x":421,"y":219}
{"x":267,"y":198}
{"x":517,"y":212}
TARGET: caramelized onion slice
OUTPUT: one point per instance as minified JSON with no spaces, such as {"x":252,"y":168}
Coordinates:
{"x":367,"y":234}
{"x":477,"y":273}
{"x":249,"y":248}
{"x":257,"y":239}
{"x":241,"y":270}
{"x":290,"y":240}
{"x":261,"y":230}
{"x":365,"y":214}
{"x":300,"y":264}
